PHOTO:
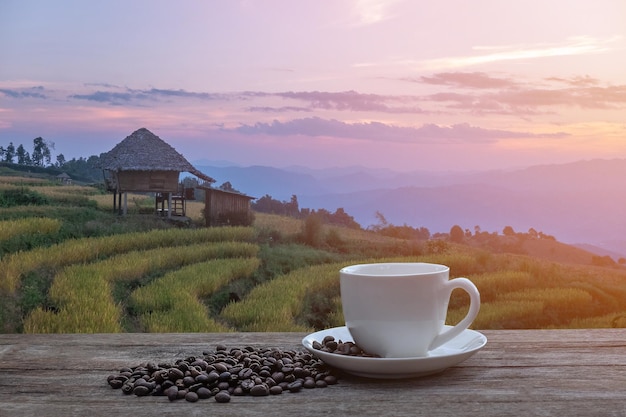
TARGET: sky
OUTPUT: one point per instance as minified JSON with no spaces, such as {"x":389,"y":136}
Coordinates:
{"x":450,"y":85}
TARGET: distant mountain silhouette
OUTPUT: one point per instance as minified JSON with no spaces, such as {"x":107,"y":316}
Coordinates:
{"x":582,"y":202}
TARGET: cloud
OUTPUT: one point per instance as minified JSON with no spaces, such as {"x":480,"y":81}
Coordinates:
{"x":584,"y":97}
{"x":105,"y":85}
{"x":353,"y":101}
{"x":33,"y":92}
{"x":130,"y":96}
{"x":580,"y":45}
{"x":182,"y":93}
{"x":370,"y":12}
{"x":456,"y":93}
{"x":478,"y":80}
{"x":485,"y":94}
{"x":376,"y":131}
{"x":579,"y":81}
{"x":286,"y":109}
{"x":109,"y":97}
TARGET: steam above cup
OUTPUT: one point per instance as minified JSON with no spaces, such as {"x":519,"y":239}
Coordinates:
{"x":398,"y":310}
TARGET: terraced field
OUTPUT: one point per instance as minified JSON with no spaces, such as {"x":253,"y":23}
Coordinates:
{"x":68,"y":264}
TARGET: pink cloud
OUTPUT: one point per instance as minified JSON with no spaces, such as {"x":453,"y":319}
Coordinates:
{"x":376,"y":131}
{"x":478,"y":80}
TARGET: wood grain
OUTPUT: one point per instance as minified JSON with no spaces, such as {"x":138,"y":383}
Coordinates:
{"x":518,"y":373}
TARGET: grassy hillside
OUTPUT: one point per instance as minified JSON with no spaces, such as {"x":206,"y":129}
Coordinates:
{"x":68,"y":264}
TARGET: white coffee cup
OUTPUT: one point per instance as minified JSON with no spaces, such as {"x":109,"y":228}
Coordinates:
{"x":398,"y":310}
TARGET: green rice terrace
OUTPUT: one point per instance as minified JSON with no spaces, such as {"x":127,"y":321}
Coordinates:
{"x":68,"y":264}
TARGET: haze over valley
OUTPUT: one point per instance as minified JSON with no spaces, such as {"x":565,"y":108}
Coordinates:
{"x":578,"y":203}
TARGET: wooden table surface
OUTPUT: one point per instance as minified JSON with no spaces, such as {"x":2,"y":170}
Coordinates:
{"x":518,"y":373}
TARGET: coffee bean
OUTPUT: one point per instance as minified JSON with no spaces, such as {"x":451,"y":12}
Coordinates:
{"x":200,"y":363}
{"x":235,"y":369}
{"x":212,"y":377}
{"x":116,"y":383}
{"x":220,"y":367}
{"x":127,"y":388}
{"x":260,"y":390}
{"x":222,"y":373}
{"x":172,"y":393}
{"x":175,"y":374}
{"x":245,"y":373}
{"x":295,"y":386}
{"x":191,"y":396}
{"x":141,"y":390}
{"x":203,"y":392}
{"x":247,"y":384}
{"x":329,"y":344}
{"x":222,"y":397}
{"x":330,"y":379}
{"x":301,"y":372}
{"x":276,"y":389}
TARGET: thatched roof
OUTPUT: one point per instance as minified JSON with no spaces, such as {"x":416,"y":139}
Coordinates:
{"x":145,"y":151}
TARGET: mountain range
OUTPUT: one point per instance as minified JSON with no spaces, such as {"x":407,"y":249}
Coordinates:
{"x":580,"y":203}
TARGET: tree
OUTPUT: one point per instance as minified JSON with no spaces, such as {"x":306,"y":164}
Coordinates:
{"x":85,"y":168}
{"x":312,"y":230}
{"x":9,"y":153}
{"x":41,"y":152}
{"x":267,"y":204}
{"x":342,"y":218}
{"x":457,"y":234}
{"x":508,"y":231}
{"x":60,"y":160}
{"x":227,"y":186}
{"x":382,"y":222}
{"x":23,"y":158}
{"x":292,"y":208}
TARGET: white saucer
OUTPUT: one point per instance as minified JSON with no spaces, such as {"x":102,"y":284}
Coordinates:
{"x":455,"y":351}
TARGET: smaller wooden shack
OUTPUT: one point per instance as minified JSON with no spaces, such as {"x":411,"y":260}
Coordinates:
{"x":226,"y":208}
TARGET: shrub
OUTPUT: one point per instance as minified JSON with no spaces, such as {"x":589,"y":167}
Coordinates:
{"x":312,"y":230}
{"x":12,"y":197}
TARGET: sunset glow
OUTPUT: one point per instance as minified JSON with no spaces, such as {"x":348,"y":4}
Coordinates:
{"x":450,"y":85}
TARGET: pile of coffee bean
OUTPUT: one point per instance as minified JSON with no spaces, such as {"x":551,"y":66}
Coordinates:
{"x":330,"y":345}
{"x":225,"y":372}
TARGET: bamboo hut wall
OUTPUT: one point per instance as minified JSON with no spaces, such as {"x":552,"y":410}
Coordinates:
{"x":146,"y":181}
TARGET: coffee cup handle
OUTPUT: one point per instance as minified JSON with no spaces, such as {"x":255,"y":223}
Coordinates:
{"x":469,"y":287}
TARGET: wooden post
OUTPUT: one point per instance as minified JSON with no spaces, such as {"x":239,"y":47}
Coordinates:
{"x":125,"y":203}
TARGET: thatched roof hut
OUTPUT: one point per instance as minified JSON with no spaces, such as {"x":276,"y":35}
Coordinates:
{"x":144,"y":152}
{"x":143,"y":162}
{"x":64,"y":178}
